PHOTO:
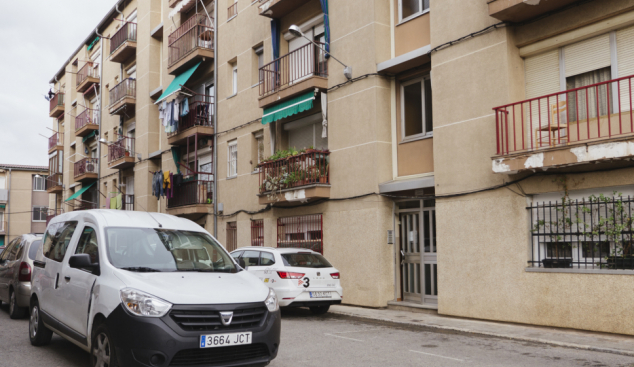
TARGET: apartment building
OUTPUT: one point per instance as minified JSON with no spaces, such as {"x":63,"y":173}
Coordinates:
{"x":344,"y":126}
{"x":23,"y":201}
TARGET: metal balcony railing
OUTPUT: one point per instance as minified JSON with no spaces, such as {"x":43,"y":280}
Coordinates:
{"x":89,"y":116}
{"x":198,"y":189}
{"x":52,"y":213}
{"x":126,"y":88}
{"x":303,"y":169}
{"x":55,"y":179}
{"x":56,"y":140}
{"x":123,"y":147}
{"x":308,"y":60}
{"x":196,"y":32}
{"x":57,"y":100}
{"x":201,"y":110}
{"x":128,"y":202}
{"x":90,"y":69}
{"x":595,"y":112}
{"x":86,"y":165}
{"x":84,"y":205}
{"x":126,"y":33}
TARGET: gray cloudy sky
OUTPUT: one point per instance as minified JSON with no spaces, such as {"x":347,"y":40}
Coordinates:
{"x":36,"y":38}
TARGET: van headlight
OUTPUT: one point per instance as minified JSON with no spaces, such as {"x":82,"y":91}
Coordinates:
{"x":271,"y":301}
{"x":143,"y":304}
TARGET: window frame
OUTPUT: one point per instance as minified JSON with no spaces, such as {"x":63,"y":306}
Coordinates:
{"x":41,"y":179}
{"x":415,"y":15}
{"x":230,"y":145}
{"x":234,"y":79}
{"x":425,"y":134}
{"x":40,"y":207}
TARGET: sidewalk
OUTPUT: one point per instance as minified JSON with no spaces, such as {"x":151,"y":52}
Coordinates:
{"x":601,"y":342}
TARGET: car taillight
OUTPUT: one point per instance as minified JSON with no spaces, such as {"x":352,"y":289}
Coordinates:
{"x":334,"y":275}
{"x":288,"y":275}
{"x":25,"y":272}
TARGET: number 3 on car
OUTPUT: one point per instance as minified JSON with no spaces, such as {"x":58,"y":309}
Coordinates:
{"x":219,"y":340}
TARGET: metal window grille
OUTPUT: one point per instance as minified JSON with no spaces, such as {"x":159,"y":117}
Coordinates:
{"x":257,"y":232}
{"x":301,"y":232}
{"x":591,"y":233}
{"x":232,"y":236}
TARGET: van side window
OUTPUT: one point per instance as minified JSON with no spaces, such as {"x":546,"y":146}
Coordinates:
{"x":57,"y":239}
{"x":88,"y":244}
{"x":251,"y":258}
{"x":267,"y":259}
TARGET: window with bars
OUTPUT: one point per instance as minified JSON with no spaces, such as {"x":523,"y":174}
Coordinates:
{"x":301,"y":232}
{"x":232,"y":236}
{"x":257,"y":232}
{"x":232,"y":159}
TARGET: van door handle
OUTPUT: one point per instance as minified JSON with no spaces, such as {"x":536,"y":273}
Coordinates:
{"x":67,"y":279}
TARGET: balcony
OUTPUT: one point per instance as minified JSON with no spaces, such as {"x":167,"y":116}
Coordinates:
{"x":123,"y":97}
{"x":193,"y":198}
{"x":121,"y":153}
{"x":199,"y":121}
{"x":56,"y":142}
{"x":87,"y":169}
{"x":564,"y":129}
{"x":78,"y":204}
{"x":52,"y":214}
{"x":86,"y":122}
{"x":277,"y":9}
{"x":521,"y":10}
{"x":192,"y":42}
{"x":57,"y":105}
{"x":54,"y":183}
{"x":299,"y":71}
{"x":301,"y":177}
{"x":123,"y":43}
{"x":87,"y":76}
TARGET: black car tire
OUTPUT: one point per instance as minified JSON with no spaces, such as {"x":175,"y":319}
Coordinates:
{"x":102,"y":351}
{"x":39,"y":334}
{"x":15,"y":312}
{"x":319,"y":310}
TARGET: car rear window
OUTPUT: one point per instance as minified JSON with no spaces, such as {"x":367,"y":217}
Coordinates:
{"x":305,"y":260}
{"x":33,"y":249}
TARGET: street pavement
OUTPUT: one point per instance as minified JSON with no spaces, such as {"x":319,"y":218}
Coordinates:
{"x":338,"y":340}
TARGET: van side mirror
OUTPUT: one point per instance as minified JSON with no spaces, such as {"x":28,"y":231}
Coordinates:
{"x":242,"y":264}
{"x":83,"y":262}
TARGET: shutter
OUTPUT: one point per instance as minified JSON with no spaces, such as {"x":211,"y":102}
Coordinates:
{"x":542,"y":74}
{"x":625,"y":58}
{"x":588,"y":55}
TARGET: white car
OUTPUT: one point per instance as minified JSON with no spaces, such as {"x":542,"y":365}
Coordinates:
{"x":300,"y":277}
{"x":148,"y":289}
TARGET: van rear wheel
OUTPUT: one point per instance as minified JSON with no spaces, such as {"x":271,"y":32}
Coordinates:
{"x":102,"y":350}
{"x":39,"y":334}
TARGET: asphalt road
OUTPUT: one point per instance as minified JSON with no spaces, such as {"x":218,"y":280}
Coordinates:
{"x":333,"y":340}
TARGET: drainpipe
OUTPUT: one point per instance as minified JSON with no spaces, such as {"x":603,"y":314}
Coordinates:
{"x":215,"y":154}
{"x":9,"y":208}
{"x":100,"y":96}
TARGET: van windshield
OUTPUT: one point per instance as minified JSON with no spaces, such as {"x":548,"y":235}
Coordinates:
{"x":162,"y":250}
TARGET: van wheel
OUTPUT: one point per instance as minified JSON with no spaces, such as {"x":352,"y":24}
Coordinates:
{"x":15,"y":312}
{"x":319,"y":310}
{"x":38,"y":333}
{"x":103,"y":353}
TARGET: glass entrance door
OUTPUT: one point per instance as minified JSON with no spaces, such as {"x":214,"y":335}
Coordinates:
{"x":410,"y":257}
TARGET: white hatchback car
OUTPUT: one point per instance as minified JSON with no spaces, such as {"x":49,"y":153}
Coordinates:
{"x":300,"y":277}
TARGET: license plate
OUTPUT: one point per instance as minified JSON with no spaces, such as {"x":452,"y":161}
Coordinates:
{"x":320,"y":295}
{"x":223,"y":340}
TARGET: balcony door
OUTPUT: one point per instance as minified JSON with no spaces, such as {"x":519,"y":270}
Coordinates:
{"x":301,"y":58}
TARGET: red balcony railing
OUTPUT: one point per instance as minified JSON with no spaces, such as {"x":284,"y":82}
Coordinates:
{"x":200,"y":114}
{"x":232,"y":11}
{"x":303,"y":169}
{"x":123,"y":147}
{"x":597,"y":111}
{"x":126,"y":33}
{"x":90,"y":69}
{"x":83,"y":205}
{"x":53,"y":180}
{"x":89,"y":116}
{"x":196,"y":32}
{"x":57,"y":100}
{"x":126,"y":88}
{"x":86,"y":165}
{"x":56,"y":140}
{"x":52,"y":213}
{"x":308,"y":60}
{"x":196,"y":190}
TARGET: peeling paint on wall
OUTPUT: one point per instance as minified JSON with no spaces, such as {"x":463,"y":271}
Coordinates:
{"x":295,"y":195}
{"x":535,"y":161}
{"x":603,"y":151}
{"x":500,"y":167}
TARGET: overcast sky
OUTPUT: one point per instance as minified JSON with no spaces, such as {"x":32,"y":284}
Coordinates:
{"x":36,"y":38}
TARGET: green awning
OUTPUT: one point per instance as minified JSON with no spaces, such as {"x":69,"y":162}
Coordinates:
{"x":83,"y":190}
{"x":3,"y":206}
{"x":288,"y":108}
{"x":93,"y":43}
{"x":89,"y":136}
{"x":175,"y":86}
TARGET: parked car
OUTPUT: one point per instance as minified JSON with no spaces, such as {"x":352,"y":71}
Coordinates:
{"x":16,"y":264}
{"x":149,"y":289}
{"x":300,"y":277}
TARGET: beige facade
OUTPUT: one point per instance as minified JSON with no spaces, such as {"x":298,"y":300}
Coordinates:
{"x":23,"y":201}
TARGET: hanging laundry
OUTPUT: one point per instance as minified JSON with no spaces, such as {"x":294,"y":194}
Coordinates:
{"x":113,"y":203}
{"x":119,"y":203}
{"x":185,"y":107}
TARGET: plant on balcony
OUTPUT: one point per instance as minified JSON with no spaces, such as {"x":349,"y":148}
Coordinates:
{"x":273,"y":185}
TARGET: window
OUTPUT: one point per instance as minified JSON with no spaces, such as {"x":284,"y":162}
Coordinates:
{"x":580,"y":98}
{"x":301,"y":232}
{"x":416,"y":109}
{"x":267,"y":259}
{"x":232,"y":159}
{"x":3,"y":183}
{"x":2,"y":229}
{"x":410,"y":8}
{"x":234,"y":80}
{"x":35,"y":246}
{"x":232,"y":236}
{"x":39,"y":213}
{"x":305,"y":260}
{"x":57,"y":239}
{"x":257,"y":232}
{"x":251,"y":258}
{"x":88,"y":244}
{"x":39,"y":183}
{"x":258,"y":63}
{"x":257,"y":150}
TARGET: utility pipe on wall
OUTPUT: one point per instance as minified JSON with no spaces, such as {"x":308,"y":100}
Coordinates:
{"x":100,"y":97}
{"x":9,"y":208}
{"x":215,"y":153}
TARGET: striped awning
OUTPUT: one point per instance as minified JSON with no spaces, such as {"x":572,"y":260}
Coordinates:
{"x":288,"y":108}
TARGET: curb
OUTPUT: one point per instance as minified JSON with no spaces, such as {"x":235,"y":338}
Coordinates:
{"x":484,"y":333}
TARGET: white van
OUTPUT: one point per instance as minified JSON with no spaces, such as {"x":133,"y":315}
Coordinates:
{"x":149,"y":289}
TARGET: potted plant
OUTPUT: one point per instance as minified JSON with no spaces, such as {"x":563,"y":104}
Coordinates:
{"x":310,"y":149}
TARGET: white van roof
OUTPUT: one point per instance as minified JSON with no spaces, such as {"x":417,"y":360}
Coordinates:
{"x":126,"y":218}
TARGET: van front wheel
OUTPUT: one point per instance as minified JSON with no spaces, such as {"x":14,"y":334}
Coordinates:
{"x":102,"y":351}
